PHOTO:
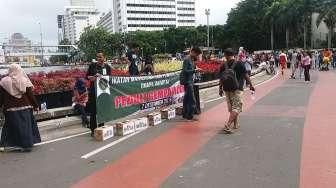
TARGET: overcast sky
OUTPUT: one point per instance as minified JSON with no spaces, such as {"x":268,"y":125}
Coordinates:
{"x":23,"y":16}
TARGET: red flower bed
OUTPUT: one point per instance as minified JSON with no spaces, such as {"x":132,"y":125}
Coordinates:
{"x":117,"y":72}
{"x":209,"y":66}
{"x":56,"y":81}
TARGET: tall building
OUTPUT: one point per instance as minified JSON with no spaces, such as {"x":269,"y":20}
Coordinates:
{"x":185,"y":13}
{"x":60,"y":27}
{"x":85,"y":3}
{"x":106,"y":22}
{"x":80,"y":15}
{"x":149,"y":15}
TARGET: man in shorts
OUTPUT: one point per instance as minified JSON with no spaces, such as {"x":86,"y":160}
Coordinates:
{"x":234,"y":97}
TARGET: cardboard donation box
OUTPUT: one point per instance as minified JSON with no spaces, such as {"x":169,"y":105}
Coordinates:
{"x":154,"y":119}
{"x":125,"y":128}
{"x":179,"y":110}
{"x":168,"y":113}
{"x":140,"y":124}
{"x":104,"y":133}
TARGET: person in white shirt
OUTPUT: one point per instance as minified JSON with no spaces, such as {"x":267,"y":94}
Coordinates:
{"x":294,"y":64}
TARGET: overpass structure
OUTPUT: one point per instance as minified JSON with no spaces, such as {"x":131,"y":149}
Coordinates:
{"x":34,"y":54}
{"x":35,"y":50}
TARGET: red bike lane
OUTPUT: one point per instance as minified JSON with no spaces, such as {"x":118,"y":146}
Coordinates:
{"x":318,"y":158}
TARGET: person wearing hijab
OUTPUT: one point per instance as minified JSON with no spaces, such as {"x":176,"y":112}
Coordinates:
{"x":20,"y":131}
{"x":80,"y":99}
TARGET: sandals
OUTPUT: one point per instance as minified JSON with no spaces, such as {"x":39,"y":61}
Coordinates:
{"x":227,"y":130}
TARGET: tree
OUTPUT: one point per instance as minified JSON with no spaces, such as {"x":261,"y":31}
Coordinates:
{"x":93,"y":41}
{"x":327,"y":14}
{"x":270,"y":19}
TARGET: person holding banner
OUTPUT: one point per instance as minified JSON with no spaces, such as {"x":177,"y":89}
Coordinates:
{"x":188,"y":71}
{"x":96,"y":70}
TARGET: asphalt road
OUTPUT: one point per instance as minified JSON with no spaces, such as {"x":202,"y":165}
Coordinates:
{"x":273,"y":148}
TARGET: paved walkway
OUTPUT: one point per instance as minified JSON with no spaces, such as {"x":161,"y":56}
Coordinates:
{"x":286,"y":141}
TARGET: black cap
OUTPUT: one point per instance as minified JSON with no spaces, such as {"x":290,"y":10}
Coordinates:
{"x":229,"y":52}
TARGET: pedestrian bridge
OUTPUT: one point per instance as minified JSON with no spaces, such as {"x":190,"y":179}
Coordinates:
{"x":35,"y":50}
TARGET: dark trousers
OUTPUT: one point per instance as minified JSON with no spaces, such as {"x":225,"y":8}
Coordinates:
{"x":93,"y":110}
{"x":80,"y":109}
{"x":93,"y":122}
{"x":306,"y":72}
{"x":189,"y":103}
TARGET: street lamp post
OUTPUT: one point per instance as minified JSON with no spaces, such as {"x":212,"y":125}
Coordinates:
{"x":207,"y":13}
{"x":41,"y":43}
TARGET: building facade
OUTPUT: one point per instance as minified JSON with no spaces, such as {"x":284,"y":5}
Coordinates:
{"x":185,"y":12}
{"x":60,"y":27}
{"x":151,"y":15}
{"x":106,"y":22}
{"x":76,"y":19}
{"x":80,"y":15}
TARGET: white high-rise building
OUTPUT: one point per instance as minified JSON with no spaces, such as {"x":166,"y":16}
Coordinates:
{"x":150,"y":15}
{"x":80,"y":15}
{"x":106,"y":22}
{"x":185,"y":13}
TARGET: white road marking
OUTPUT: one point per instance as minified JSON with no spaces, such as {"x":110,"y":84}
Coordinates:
{"x":94,"y":152}
{"x":60,"y":139}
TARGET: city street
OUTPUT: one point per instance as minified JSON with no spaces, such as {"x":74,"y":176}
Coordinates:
{"x":286,"y":141}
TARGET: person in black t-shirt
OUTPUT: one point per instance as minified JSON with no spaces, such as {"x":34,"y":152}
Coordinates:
{"x":234,"y":98}
{"x":96,"y":70}
{"x":134,"y":60}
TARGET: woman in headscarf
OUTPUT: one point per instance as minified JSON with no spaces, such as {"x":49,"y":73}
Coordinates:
{"x":20,"y":131}
{"x":80,"y":99}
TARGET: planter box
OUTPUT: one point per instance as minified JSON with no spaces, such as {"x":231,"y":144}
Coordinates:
{"x":125,"y":128}
{"x":104,"y":133}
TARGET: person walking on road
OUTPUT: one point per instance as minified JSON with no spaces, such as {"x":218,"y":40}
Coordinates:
{"x":96,"y":70}
{"x":232,"y":78}
{"x":300,"y":65}
{"x":283,"y":62}
{"x":306,"y":63}
{"x":20,"y":131}
{"x":294,"y":64}
{"x":80,"y":99}
{"x":187,"y":79}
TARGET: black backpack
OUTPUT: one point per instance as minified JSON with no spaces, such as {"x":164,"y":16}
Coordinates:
{"x":228,"y":78}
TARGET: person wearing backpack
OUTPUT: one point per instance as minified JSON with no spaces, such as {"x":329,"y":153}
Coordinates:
{"x":187,"y":80}
{"x":232,"y":77}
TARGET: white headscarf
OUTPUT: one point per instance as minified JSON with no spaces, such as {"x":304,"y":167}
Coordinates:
{"x":16,"y":82}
